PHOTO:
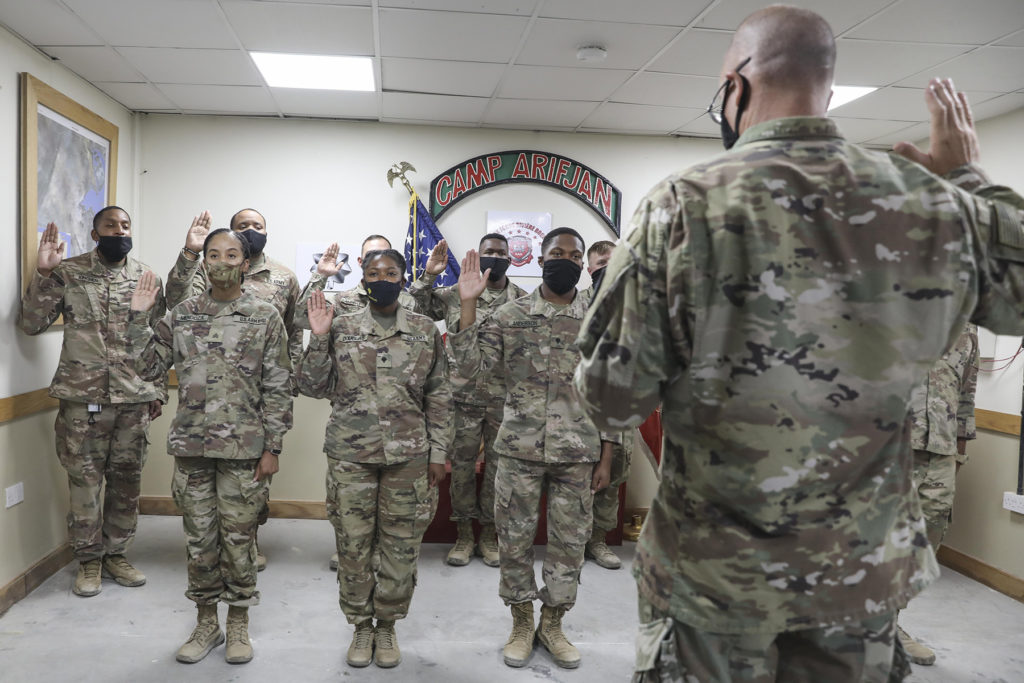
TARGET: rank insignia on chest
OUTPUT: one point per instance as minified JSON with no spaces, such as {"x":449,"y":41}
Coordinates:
{"x":383,"y":359}
{"x":524,"y":323}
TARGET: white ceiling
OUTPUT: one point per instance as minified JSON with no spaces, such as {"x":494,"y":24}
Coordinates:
{"x":512,"y":63}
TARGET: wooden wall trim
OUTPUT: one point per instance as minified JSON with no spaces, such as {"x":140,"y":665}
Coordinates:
{"x":31,"y":578}
{"x":29,"y":403}
{"x":972,"y":567}
{"x":1005,"y":423}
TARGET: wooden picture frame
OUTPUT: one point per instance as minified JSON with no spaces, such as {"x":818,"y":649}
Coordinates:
{"x":68,"y":170}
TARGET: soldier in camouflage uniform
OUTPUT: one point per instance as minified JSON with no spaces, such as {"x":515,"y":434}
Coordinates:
{"x":105,"y":407}
{"x":479,"y":404}
{"x":266,"y":279}
{"x":230,"y":350}
{"x":606,"y":501}
{"x":942,"y":422}
{"x":386,"y":374}
{"x":781,"y":302}
{"x":545,"y":443}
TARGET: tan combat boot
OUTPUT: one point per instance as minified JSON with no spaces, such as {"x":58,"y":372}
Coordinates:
{"x":206,"y":636}
{"x":118,"y":568}
{"x":333,"y":564}
{"x":918,"y":653}
{"x":460,"y":553}
{"x":261,"y":559}
{"x":489,"y":546}
{"x":87,"y":582}
{"x":598,"y":551}
{"x":520,"y":643}
{"x":386,"y":653}
{"x":239,"y":649}
{"x":549,"y":633}
{"x":360,"y":651}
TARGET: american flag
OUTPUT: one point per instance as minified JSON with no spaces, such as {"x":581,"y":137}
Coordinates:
{"x":420,"y":241}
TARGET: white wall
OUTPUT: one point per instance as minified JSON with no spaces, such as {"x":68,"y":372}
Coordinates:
{"x":34,"y":528}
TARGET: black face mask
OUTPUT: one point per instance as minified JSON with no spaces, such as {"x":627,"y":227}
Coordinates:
{"x":114,"y":247}
{"x":498,"y":267}
{"x":256,"y":240}
{"x":597,"y":277}
{"x":561,"y":274}
{"x":729,"y":134}
{"x":382,"y":293}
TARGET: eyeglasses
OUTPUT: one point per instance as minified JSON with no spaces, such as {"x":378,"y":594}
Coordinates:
{"x":718,"y":101}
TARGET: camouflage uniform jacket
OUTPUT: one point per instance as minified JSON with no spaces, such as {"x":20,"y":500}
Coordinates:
{"x":534,"y":342}
{"x":96,"y":364}
{"x":942,"y":409}
{"x":234,"y":398}
{"x":390,"y":396}
{"x":345,"y":301}
{"x":267,"y":280}
{"x":781,"y":301}
{"x":444,"y":303}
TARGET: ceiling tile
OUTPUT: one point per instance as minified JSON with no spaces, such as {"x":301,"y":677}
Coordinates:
{"x":330,"y":103}
{"x":862,"y":130}
{"x":444,"y":77}
{"x":537,"y":113}
{"x":560,"y":83}
{"x":658,"y":12}
{"x":1015,"y":40}
{"x":184,"y":65}
{"x":439,"y":107}
{"x":520,"y":7}
{"x":137,"y":96}
{"x":840,"y":14}
{"x":895,"y":104}
{"x":447,"y":35}
{"x":998,"y":105}
{"x":866,"y":62}
{"x":45,"y":22}
{"x":669,"y":90}
{"x":302,"y":29}
{"x":698,"y":53}
{"x":220,"y":98}
{"x":155,"y":23}
{"x":914,"y":133}
{"x":702,"y":126}
{"x":94,"y":63}
{"x":944,"y":22}
{"x":997,"y":69}
{"x":554,"y":42}
{"x":619,"y":116}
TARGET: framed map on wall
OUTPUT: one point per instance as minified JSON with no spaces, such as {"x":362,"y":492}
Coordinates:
{"x":68,"y":170}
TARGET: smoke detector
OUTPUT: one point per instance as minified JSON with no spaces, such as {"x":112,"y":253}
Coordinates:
{"x":591,"y":54}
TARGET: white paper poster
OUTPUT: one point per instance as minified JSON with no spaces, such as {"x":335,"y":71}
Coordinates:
{"x":307,"y":255}
{"x":524,"y":231}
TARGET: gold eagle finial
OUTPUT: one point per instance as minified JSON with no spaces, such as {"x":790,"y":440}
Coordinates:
{"x":398,"y":171}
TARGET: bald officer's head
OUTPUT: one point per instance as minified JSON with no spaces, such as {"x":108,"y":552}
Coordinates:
{"x":788,"y":57}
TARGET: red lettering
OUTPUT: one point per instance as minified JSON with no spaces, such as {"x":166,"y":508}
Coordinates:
{"x":571,"y":185}
{"x":443,"y":190}
{"x":521,"y":169}
{"x":493,"y":164}
{"x":537,"y":170}
{"x":563,"y":166}
{"x":604,"y":198}
{"x":583,"y":189}
{"x":460,"y":184}
{"x":476,"y":173}
{"x":551,"y":168}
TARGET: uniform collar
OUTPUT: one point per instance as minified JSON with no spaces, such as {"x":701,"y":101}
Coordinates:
{"x":369,"y":326}
{"x":258,"y":264}
{"x":541,"y":306}
{"x":99,"y":267}
{"x":212,"y":307}
{"x":791,"y":127}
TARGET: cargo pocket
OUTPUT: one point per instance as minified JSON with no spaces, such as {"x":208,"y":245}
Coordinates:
{"x":654,"y":644}
{"x":254,"y":493}
{"x":179,"y":486}
{"x":426,"y":504}
{"x":333,"y":513}
{"x":71,"y":433}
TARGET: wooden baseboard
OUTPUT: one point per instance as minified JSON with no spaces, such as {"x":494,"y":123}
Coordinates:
{"x":973,"y":568}
{"x":30,"y":579}
{"x":281,"y":509}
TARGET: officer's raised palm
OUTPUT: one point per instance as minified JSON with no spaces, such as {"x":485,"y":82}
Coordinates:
{"x":438,"y":260}
{"x":197,"y":233}
{"x":146,"y":291}
{"x":320,"y":313}
{"x":328,"y":263}
{"x":51,"y":250}
{"x":471,"y":281}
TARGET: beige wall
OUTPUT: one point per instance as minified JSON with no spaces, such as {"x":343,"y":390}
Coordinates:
{"x":31,"y":530}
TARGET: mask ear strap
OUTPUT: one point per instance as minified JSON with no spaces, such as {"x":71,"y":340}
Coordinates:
{"x":742,"y":104}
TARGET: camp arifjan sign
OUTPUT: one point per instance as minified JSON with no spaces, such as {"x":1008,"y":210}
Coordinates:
{"x":527,"y":166}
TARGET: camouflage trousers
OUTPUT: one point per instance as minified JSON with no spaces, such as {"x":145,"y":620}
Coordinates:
{"x":935,"y":481}
{"x":108,"y":446}
{"x":606,"y":501}
{"x":518,"y":487}
{"x":473,"y":423}
{"x":219,"y":503}
{"x":860,"y":652}
{"x":378,"y":508}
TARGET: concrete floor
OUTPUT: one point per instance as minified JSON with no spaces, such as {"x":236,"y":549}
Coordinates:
{"x":298,"y":633}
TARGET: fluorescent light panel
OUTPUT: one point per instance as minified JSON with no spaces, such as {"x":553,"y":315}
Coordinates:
{"x":315,"y":72}
{"x":844,"y":94}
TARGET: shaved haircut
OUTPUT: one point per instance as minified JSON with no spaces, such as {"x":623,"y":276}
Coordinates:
{"x":790,"y":48}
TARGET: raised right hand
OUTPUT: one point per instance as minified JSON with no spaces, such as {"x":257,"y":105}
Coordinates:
{"x":328,"y":263}
{"x":146,"y":291}
{"x":197,"y":233}
{"x":953,"y":140}
{"x":471,"y":281}
{"x":51,"y":250}
{"x":438,"y":260}
{"x":320,"y":313}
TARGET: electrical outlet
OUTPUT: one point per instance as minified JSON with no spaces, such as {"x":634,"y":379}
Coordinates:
{"x":1013,"y":502}
{"x":15,"y":494}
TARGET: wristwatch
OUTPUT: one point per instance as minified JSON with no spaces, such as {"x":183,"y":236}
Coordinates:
{"x":275,"y":451}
